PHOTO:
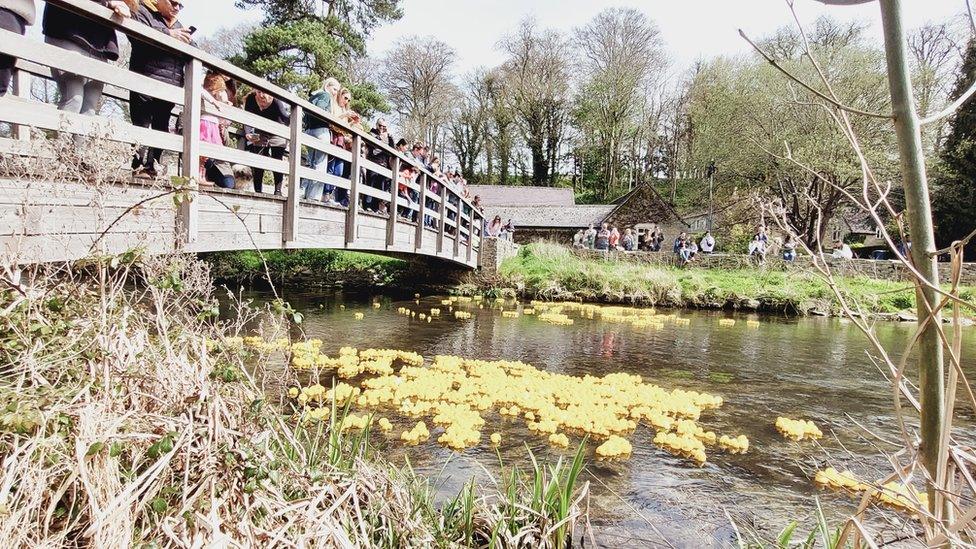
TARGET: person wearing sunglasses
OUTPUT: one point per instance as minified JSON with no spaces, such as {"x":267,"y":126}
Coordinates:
{"x":159,"y":64}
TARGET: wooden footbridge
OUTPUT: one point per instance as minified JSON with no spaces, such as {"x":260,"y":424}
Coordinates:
{"x":56,"y":205}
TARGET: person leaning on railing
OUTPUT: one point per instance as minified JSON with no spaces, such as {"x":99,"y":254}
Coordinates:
{"x":77,"y":94}
{"x":159,"y":64}
{"x":318,"y":128}
{"x":267,"y":106}
{"x":15,"y":16}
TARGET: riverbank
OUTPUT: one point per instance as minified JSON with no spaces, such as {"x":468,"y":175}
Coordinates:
{"x":552,"y":272}
{"x":129,"y":418}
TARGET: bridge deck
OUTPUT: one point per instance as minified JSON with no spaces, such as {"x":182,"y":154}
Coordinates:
{"x":68,"y":217}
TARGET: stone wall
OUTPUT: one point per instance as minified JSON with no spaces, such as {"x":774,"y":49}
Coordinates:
{"x":526,"y":235}
{"x":883,"y":270}
{"x":494,"y":251}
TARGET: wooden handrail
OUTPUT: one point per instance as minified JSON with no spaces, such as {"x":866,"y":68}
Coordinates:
{"x":38,"y":59}
{"x":131,"y":28}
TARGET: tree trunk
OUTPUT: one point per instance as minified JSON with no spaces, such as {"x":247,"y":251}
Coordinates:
{"x":919,"y":209}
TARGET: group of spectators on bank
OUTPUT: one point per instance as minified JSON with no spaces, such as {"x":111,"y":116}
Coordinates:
{"x":99,"y":41}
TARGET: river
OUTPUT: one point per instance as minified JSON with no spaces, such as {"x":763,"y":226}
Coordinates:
{"x":811,"y":368}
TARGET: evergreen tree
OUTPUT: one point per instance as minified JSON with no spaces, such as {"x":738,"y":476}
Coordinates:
{"x":954,"y":196}
{"x":301,"y":42}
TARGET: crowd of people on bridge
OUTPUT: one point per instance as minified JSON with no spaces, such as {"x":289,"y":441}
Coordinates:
{"x":420,"y":175}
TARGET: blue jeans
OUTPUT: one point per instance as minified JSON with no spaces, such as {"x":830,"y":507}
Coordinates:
{"x":317,"y":160}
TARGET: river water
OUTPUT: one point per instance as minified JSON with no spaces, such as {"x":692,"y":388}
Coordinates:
{"x":812,"y":368}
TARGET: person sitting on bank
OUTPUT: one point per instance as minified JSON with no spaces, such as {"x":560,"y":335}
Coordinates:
{"x":602,"y":241}
{"x":757,"y":248}
{"x":628,"y":241}
{"x":578,"y":238}
{"x":589,"y":238}
{"x":707,"y":243}
{"x":789,"y":249}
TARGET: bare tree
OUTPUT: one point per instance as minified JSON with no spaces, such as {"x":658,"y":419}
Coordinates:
{"x":620,"y":50}
{"x":537,"y":79}
{"x":470,"y":124}
{"x":416,"y":76}
{"x":226,"y":42}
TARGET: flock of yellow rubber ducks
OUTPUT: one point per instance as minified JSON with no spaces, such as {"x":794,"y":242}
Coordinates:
{"x":454,"y":394}
{"x":798,"y":429}
{"x":893,"y":494}
{"x":558,"y":313}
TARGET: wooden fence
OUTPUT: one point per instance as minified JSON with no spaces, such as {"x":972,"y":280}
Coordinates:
{"x":43,"y":219}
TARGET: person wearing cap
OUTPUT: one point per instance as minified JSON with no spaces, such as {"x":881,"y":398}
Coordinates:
{"x":15,"y":16}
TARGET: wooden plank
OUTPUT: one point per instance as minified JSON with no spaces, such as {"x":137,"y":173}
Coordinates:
{"x":422,"y":209}
{"x":375,"y":168}
{"x":240,"y":116}
{"x":325,"y":177}
{"x":391,"y":223}
{"x":352,"y":215}
{"x":290,"y":233}
{"x":193,"y":88}
{"x":40,"y":71}
{"x":249,"y":159}
{"x":441,"y":225}
{"x":39,"y":115}
{"x":19,"y":47}
{"x":326,"y":147}
{"x":22,"y":89}
{"x":70,"y":247}
{"x":374,"y":192}
{"x":44,"y":220}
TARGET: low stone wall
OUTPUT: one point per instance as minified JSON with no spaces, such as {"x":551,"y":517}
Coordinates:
{"x":494,"y":251}
{"x":882,"y":270}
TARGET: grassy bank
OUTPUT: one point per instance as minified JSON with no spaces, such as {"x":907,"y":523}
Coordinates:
{"x":126,"y":423}
{"x":309,"y":268}
{"x":548,"y":271}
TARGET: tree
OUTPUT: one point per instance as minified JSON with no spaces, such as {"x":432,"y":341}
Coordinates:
{"x":302,"y":42}
{"x":227,"y":42}
{"x":537,"y":79}
{"x":620,"y":50}
{"x":416,"y":76}
{"x":954,"y":196}
{"x":470,"y":123}
{"x":741,"y":110}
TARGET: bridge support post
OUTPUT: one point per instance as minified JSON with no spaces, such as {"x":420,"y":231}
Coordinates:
{"x":192,"y":109}
{"x":419,"y":239}
{"x":471,"y":231}
{"x":352,"y":215}
{"x":440,"y":228}
{"x":290,"y":225}
{"x":394,"y":199}
{"x":22,"y":89}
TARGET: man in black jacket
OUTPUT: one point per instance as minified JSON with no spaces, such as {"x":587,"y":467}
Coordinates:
{"x":159,"y":64}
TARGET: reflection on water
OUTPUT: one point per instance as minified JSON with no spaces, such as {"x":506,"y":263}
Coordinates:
{"x":812,"y":368}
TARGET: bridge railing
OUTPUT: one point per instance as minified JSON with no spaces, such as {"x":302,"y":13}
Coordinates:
{"x":444,"y":220}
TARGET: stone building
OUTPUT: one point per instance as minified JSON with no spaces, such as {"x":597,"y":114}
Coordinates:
{"x":551,"y":213}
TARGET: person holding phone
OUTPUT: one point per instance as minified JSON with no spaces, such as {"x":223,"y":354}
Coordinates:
{"x":159,"y":64}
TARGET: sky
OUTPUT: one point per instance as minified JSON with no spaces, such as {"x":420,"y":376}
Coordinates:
{"x":692,"y":29}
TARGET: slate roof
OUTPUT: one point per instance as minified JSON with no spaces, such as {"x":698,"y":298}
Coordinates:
{"x":563,"y":217}
{"x":523,"y":195}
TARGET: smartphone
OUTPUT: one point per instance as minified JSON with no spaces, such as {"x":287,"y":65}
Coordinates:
{"x":191,"y":29}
